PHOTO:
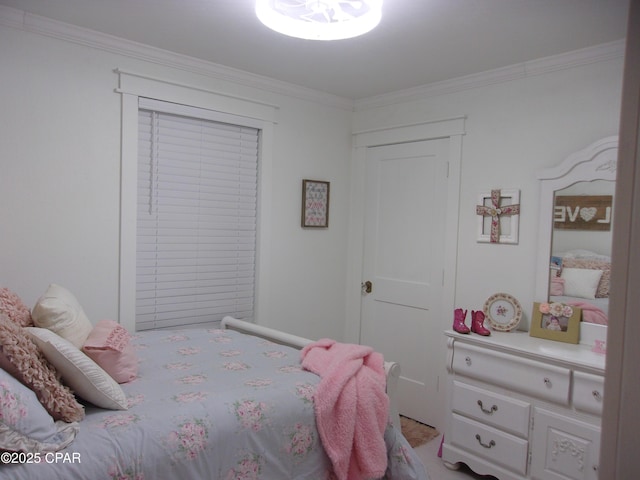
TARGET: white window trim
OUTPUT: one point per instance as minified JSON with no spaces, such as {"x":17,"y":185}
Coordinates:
{"x":254,"y":113}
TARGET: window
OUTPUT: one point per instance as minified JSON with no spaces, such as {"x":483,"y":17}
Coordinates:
{"x":196,"y":216}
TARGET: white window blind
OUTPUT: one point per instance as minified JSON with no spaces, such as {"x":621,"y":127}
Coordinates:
{"x":196,"y":220}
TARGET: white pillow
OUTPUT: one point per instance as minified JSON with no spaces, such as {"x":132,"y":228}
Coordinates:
{"x":59,"y":311}
{"x":26,"y":426}
{"x":78,"y":371}
{"x":581,"y":282}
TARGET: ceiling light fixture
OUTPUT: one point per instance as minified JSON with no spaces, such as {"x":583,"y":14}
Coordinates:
{"x":320,"y":19}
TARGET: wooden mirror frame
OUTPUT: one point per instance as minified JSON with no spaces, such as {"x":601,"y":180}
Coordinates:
{"x":598,"y":161}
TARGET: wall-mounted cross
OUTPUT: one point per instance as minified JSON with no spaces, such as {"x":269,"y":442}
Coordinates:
{"x":495,"y":211}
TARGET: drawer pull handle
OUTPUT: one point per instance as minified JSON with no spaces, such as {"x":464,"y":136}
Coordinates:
{"x":547,"y":382}
{"x":468,"y":361}
{"x":494,"y":408}
{"x":596,"y":394}
{"x":485,"y":445}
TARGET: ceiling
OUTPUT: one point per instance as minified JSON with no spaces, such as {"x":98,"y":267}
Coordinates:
{"x":418,"y":42}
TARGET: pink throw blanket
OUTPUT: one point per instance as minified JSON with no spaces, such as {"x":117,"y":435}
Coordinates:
{"x":591,"y":313}
{"x":351,"y":406}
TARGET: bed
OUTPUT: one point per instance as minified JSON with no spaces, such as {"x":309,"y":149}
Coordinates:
{"x":216,"y":403}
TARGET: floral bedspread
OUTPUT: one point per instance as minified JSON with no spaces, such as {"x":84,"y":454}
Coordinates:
{"x":208,"y":404}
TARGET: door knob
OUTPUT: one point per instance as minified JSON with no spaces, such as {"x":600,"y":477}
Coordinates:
{"x":367,"y":287}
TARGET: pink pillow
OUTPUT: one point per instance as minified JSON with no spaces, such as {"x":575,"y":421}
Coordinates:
{"x":557,"y":286}
{"x":23,"y":359}
{"x":109,"y":345}
{"x":14,"y":308}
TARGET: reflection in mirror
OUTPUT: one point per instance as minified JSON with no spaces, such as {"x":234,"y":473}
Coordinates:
{"x":581,"y":247}
{"x":574,"y":248}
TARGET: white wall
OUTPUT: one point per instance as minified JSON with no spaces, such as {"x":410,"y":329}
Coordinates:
{"x":513,"y":129}
{"x":60,"y":171}
{"x":60,"y":179}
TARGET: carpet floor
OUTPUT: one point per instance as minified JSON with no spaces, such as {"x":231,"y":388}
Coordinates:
{"x":417,"y":433}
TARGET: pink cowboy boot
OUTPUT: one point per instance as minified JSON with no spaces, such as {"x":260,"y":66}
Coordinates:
{"x":458,"y":321}
{"x":477,"y":323}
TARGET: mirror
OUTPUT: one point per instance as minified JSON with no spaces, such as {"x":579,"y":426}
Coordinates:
{"x":568,"y":236}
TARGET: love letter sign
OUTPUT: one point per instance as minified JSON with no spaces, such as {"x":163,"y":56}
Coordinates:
{"x":583,"y":212}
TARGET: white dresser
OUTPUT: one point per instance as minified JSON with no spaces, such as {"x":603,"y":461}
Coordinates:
{"x":523,"y":407}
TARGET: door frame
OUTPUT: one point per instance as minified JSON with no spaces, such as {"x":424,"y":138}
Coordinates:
{"x":453,"y":129}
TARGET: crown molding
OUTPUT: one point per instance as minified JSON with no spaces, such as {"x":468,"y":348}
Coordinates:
{"x":563,"y":61}
{"x":19,"y":19}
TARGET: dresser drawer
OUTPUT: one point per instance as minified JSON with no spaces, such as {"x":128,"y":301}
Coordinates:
{"x":489,"y":443}
{"x":491,"y":408}
{"x":588,"y":392}
{"x":533,"y":378}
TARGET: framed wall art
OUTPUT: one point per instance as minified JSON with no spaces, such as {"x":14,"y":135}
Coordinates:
{"x":498,"y":214}
{"x":315,"y":204}
{"x":556,"y":321}
{"x":583,"y":212}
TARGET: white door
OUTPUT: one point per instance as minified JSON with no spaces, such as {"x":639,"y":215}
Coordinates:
{"x":406,"y":192}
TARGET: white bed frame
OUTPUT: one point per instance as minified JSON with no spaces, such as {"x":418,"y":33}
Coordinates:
{"x":392,"y":369}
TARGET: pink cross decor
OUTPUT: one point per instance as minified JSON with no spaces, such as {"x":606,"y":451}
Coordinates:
{"x":495,"y":211}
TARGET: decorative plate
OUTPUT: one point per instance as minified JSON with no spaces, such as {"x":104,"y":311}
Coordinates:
{"x":503,"y":312}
